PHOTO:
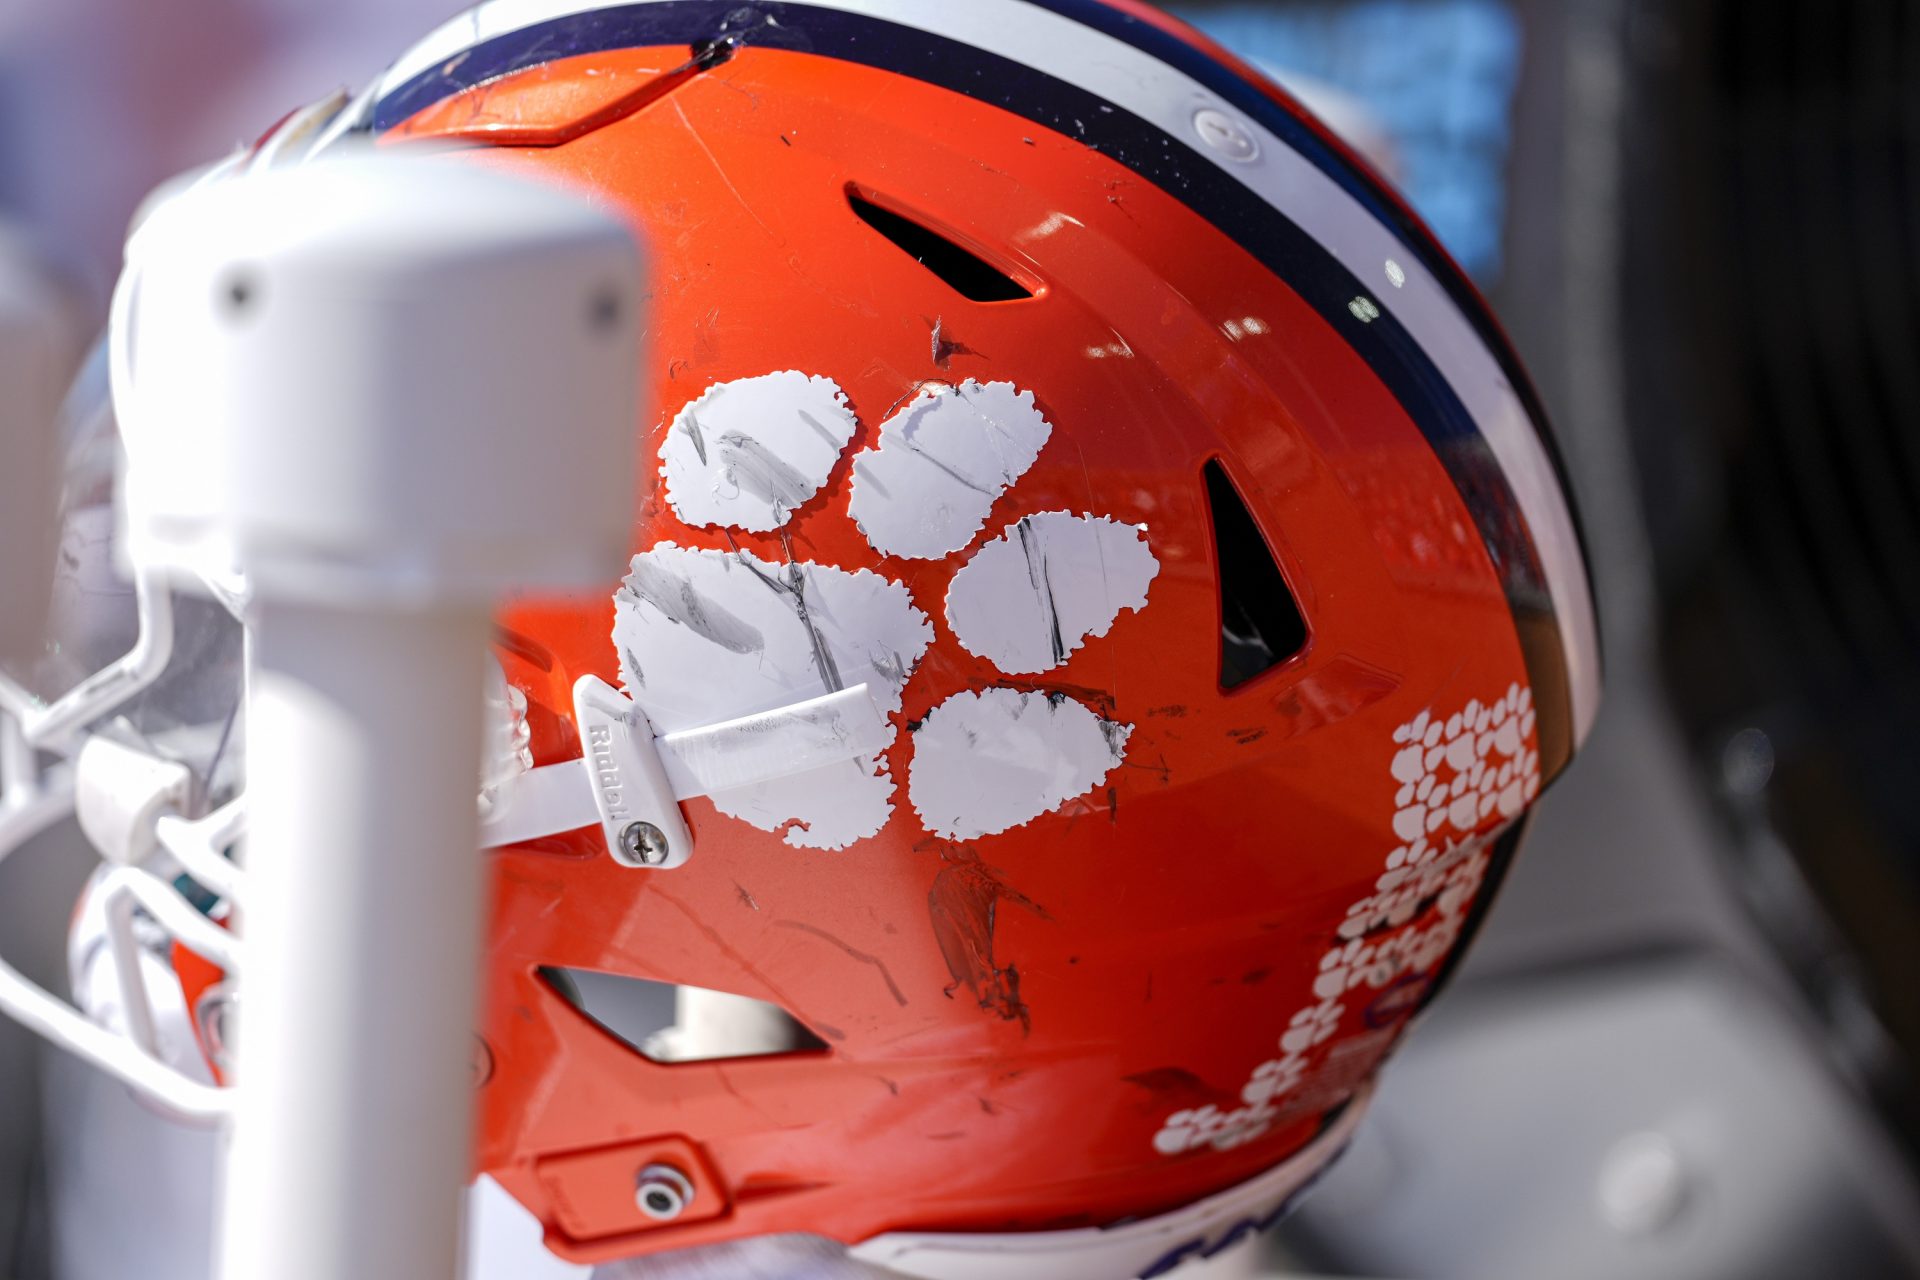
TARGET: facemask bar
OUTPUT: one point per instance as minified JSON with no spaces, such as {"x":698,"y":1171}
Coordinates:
{"x":34,"y":800}
{"x":52,"y":725}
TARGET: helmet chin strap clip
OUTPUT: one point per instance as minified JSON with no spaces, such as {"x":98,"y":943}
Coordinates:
{"x":631,"y":781}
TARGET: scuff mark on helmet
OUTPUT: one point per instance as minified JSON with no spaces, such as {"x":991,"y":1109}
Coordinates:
{"x":757,"y":470}
{"x":1179,"y":1087}
{"x":963,"y":906}
{"x":944,"y":348}
{"x":748,"y":453}
{"x":675,"y":596}
{"x":864,"y":957}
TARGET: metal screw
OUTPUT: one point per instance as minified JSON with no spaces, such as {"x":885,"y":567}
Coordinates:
{"x":663,"y":1192}
{"x":643,"y":845}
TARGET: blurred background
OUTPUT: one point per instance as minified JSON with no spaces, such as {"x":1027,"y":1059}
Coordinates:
{"x":1685,"y":1044}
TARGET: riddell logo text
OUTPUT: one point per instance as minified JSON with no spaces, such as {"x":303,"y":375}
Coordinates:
{"x":606,"y":773}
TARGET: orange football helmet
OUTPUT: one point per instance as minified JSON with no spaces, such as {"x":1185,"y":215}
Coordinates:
{"x":1049,"y":377}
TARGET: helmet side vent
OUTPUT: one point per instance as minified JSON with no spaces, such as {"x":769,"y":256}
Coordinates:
{"x":667,"y":1023}
{"x":1261,"y":625}
{"x":964,"y":271}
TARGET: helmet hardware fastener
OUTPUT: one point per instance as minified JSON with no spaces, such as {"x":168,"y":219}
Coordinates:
{"x":662,"y":1192}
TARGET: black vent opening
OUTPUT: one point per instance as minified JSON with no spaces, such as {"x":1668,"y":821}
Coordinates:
{"x":967,"y":274}
{"x":643,"y":1015}
{"x":1260,"y":622}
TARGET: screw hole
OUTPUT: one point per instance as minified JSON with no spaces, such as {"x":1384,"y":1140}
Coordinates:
{"x":663,"y":1192}
{"x":239,"y":293}
{"x":603,"y":312}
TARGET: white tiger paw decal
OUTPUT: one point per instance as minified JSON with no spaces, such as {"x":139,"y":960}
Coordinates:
{"x":942,"y":462}
{"x":748,"y":453}
{"x":706,"y":635}
{"x":1049,"y":749}
{"x":1048,"y":584}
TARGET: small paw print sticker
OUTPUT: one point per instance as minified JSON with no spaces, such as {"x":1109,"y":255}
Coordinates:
{"x":1209,"y":1126}
{"x":1272,"y":1078}
{"x":1455,"y":783}
{"x":1341,"y":968}
{"x":1311,"y":1026}
{"x":1456,"y":773}
{"x":1185,"y":1130}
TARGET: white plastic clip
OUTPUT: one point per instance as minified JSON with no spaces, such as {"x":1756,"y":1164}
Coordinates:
{"x":631,"y":782}
{"x":120,"y":794}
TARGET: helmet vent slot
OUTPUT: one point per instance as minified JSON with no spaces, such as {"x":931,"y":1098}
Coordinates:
{"x":964,"y":271}
{"x":1260,"y":622}
{"x":664,"y":1022}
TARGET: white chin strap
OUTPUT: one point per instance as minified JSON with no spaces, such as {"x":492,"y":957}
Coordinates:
{"x":1143,"y":1248}
{"x":631,"y":782}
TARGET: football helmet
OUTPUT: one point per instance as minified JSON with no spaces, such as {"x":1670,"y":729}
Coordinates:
{"x":1105,"y":604}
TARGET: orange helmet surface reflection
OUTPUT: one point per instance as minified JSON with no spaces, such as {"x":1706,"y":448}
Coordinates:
{"x":1179,"y":507}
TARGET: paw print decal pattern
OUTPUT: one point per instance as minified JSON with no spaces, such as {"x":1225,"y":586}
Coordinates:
{"x":747,"y":453}
{"x":1054,"y":580}
{"x":705,"y":636}
{"x":1047,"y":749}
{"x":1460,"y":780}
{"x":941,"y":464}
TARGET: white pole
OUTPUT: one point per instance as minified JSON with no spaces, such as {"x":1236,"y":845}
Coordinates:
{"x":386,"y":391}
{"x":357,"y":1011}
